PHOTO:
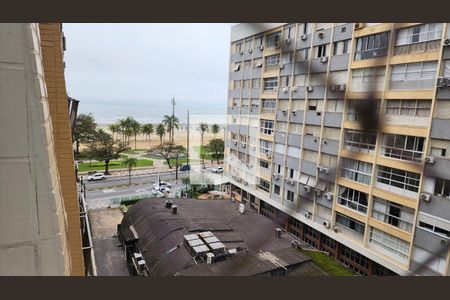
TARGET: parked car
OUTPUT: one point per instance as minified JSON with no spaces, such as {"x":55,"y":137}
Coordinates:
{"x":96,"y":176}
{"x":185,"y":168}
{"x":160,"y":189}
{"x":162,"y":184}
{"x":217,"y":170}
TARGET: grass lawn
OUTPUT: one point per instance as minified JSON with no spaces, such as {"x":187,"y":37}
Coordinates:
{"x":204,"y":150}
{"x":328,"y":264}
{"x":181,"y":161}
{"x":114,"y":164}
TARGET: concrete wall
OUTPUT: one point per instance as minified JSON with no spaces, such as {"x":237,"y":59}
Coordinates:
{"x":33,"y":232}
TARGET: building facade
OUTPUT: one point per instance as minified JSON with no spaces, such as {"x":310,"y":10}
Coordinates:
{"x":297,"y":149}
{"x":39,"y":213}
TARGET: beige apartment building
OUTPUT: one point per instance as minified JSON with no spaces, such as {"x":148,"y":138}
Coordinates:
{"x":39,"y":213}
{"x":377,"y":200}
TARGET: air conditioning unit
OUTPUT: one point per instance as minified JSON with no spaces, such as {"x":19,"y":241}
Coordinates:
{"x":316,"y":140}
{"x":294,"y":112}
{"x":288,"y":41}
{"x":284,"y":111}
{"x":288,"y":180}
{"x":268,"y":154}
{"x":310,"y":88}
{"x":303,"y":37}
{"x":276,"y":176}
{"x":319,"y":168}
{"x":359,"y":25}
{"x":285,"y":89}
{"x":307,"y":215}
{"x":425,"y":197}
{"x":250,"y":50}
{"x":235,"y":142}
{"x":294,"y":89}
{"x":318,"y":192}
{"x":325,"y":170}
{"x":335,"y":229}
{"x":324,"y":59}
{"x":326,"y":224}
{"x":261,"y":47}
{"x":342,"y":87}
{"x":307,"y":188}
{"x":442,"y":82}
{"x":325,"y":142}
{"x":446,"y":42}
{"x":241,"y":52}
{"x":329,"y":196}
{"x":320,"y":35}
{"x":239,"y":180}
{"x":292,"y":182}
{"x":244,"y":145}
{"x":429,"y":159}
{"x":249,"y":166}
{"x":281,"y":66}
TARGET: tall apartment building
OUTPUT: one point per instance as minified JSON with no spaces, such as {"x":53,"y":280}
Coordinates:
{"x":378,"y":201}
{"x":39,"y":213}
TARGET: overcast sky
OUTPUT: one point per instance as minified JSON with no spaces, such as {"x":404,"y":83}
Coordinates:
{"x":134,"y":69}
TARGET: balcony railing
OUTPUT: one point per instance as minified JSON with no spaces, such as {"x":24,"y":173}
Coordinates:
{"x":418,"y":47}
{"x":404,"y":154}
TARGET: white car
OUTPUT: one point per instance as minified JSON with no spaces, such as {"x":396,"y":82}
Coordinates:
{"x":163,"y":184}
{"x":217,"y":170}
{"x":96,"y":176}
{"x":160,"y":189}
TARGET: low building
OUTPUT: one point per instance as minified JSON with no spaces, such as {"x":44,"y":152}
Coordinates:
{"x":188,"y":237}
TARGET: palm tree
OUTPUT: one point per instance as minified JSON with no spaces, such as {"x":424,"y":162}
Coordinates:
{"x":136,"y":129}
{"x":202,"y":127}
{"x":161,"y":131}
{"x":215,"y":129}
{"x":171,"y":123}
{"x":114,"y":128}
{"x":148,"y":130}
{"x":130,"y":163}
{"x":123,"y":126}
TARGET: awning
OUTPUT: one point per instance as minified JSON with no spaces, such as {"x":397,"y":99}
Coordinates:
{"x":304,"y":179}
{"x":312,"y":181}
{"x":321,"y":185}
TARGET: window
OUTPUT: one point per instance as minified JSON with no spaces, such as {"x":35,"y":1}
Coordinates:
{"x":295,"y":128}
{"x":277,"y":168}
{"x":435,"y":151}
{"x":350,"y":223}
{"x":264,"y":185}
{"x":368,"y":79}
{"x":321,"y":51}
{"x":310,"y":155}
{"x":257,"y":63}
{"x":293,"y":151}
{"x":246,"y":84}
{"x":439,"y":148}
{"x":412,"y":108}
{"x":290,"y":196}
{"x":265,"y":147}
{"x":305,"y":28}
{"x":268,"y":105}
{"x":421,"y":38}
{"x":279,"y":148}
{"x":264,"y":164}
{"x":273,"y":40}
{"x":389,"y":244}
{"x":442,"y":109}
{"x":256,"y":83}
{"x":412,"y":76}
{"x":442,"y":187}
{"x":353,"y":199}
{"x":267,"y":127}
{"x":356,"y":170}
{"x":271,"y":83}
{"x":236,"y":67}
{"x":421,"y":255}
{"x":359,"y":141}
{"x":238,"y":47}
{"x":276,"y":189}
{"x":287,"y":57}
{"x":313,"y":130}
{"x":341,"y":47}
{"x":371,"y":46}
{"x":434,"y":224}
{"x":330,"y":133}
{"x":258,"y":41}
{"x":283,"y":104}
{"x":291,"y":173}
{"x":272,"y":60}
{"x":335,"y":105}
{"x":281,"y":126}
{"x":298,"y":104}
{"x":236,"y":84}
{"x":403,"y":147}
{"x":394,"y":214}
{"x":289,"y":32}
{"x":312,"y":104}
{"x":355,"y":257}
{"x":247,"y":65}
{"x":400,"y":180}
{"x":328,"y":160}
{"x":302,"y":54}
{"x":337,"y":78}
{"x":285,"y":81}
{"x":318,"y":79}
{"x":248,"y":44}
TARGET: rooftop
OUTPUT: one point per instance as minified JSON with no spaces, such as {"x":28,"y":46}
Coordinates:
{"x":165,"y":239}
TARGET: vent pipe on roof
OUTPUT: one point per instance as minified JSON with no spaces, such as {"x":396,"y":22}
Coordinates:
{"x":168,"y":204}
{"x":174,"y":209}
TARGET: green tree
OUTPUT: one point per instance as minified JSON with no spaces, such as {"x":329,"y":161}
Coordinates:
{"x":171,"y":123}
{"x":85,"y":128}
{"x":202,"y":127}
{"x":216,"y":147}
{"x":148,"y":130}
{"x":104,"y":149}
{"x":114,"y":128}
{"x":136,"y":129}
{"x":215,"y":129}
{"x":161,"y":131}
{"x":168,"y":151}
{"x":130,"y":163}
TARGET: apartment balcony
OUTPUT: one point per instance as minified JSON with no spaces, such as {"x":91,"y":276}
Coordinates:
{"x":308,"y":167}
{"x":286,"y":70}
{"x":343,"y":32}
{"x":439,"y":129}
{"x":424,"y":84}
{"x":349,"y":233}
{"x":318,"y":92}
{"x":429,"y":46}
{"x":296,"y":116}
{"x":397,"y":190}
{"x":438,"y":206}
{"x":333,"y":119}
{"x":298,"y":92}
{"x":330,"y":146}
{"x":282,"y":115}
{"x":313,"y":118}
{"x":405,"y":120}
{"x":322,"y":200}
{"x":443,"y":93}
{"x":303,"y":41}
{"x":233,"y":144}
{"x":318,"y":65}
{"x":440,"y":168}
{"x":339,"y":62}
{"x":402,"y":154}
{"x":284,"y":92}
{"x":311,"y":142}
{"x":429,"y":241}
{"x":294,"y":140}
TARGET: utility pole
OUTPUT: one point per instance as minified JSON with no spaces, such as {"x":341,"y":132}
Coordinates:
{"x":172,"y":101}
{"x":187,"y":140}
